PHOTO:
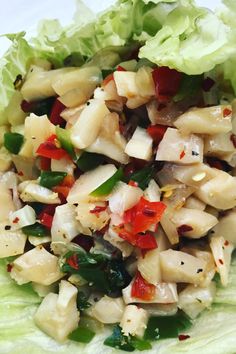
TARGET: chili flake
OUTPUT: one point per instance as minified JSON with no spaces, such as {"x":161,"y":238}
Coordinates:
{"x":226,"y":243}
{"x":183,"y":337}
{"x":226,"y":112}
{"x":182,"y":154}
{"x":98,"y":209}
{"x":16,"y":220}
{"x":221,"y":261}
{"x":9,"y":267}
{"x":184,"y":228}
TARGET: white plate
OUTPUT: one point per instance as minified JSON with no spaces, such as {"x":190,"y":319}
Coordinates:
{"x":23,"y":15}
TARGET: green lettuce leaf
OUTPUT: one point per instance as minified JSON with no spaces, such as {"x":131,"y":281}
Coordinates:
{"x":212,"y":332}
{"x":15,"y":62}
{"x":192,"y":40}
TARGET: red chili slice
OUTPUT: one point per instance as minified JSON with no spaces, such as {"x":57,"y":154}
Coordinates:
{"x":141,"y":289}
{"x":55,"y":116}
{"x":157,"y":132}
{"x":167,"y":82}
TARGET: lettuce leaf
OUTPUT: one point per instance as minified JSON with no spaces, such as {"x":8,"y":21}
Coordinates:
{"x":15,"y":62}
{"x":212,"y":332}
{"x":192,"y":40}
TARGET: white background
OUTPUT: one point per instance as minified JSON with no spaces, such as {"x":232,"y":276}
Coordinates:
{"x":18,"y":15}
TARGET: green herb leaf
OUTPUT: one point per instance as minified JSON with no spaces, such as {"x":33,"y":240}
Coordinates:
{"x":82,"y":335}
{"x":106,"y":275}
{"x":127,"y":343}
{"x":118,"y":340}
{"x":143,"y":177}
{"x":82,"y":301}
{"x":36,"y":229}
{"x":63,"y":136}
{"x":166,"y":326}
{"x":13,"y":142}
{"x":51,"y":179}
{"x":107,"y":186}
{"x":88,"y":161}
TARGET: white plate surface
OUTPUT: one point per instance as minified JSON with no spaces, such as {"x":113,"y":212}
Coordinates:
{"x":19,"y":15}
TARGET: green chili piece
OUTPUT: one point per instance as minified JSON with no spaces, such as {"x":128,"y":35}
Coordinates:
{"x":82,"y":335}
{"x":166,"y":326}
{"x":89,"y":161}
{"x":63,"y":136}
{"x":51,"y":179}
{"x":36,"y":229}
{"x":13,"y":142}
{"x":108,"y":185}
{"x":143,"y":177}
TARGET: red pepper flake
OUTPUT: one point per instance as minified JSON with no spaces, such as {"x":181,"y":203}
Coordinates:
{"x":233,"y":139}
{"x":183,"y":337}
{"x":149,"y":212}
{"x":226,"y":112}
{"x":226,"y":243}
{"x":184,"y":228}
{"x":98,"y":209}
{"x":9,"y":267}
{"x":73,"y":262}
{"x":16,"y":220}
{"x":20,"y":173}
{"x":133,"y":183}
{"x":221,"y":261}
{"x":182,"y":154}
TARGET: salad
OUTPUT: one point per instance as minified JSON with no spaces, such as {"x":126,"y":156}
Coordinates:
{"x":118,"y":187}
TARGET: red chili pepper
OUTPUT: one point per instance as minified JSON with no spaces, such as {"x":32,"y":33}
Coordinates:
{"x":146,"y":241}
{"x":141,"y":289}
{"x":68,"y":181}
{"x":133,"y":183}
{"x":144,"y":214}
{"x":120,"y":68}
{"x":45,"y":163}
{"x":182,"y":154}
{"x":143,"y":241}
{"x":64,"y":188}
{"x":184,"y":228}
{"x":50,"y":149}
{"x":73,"y":261}
{"x":46,"y":215}
{"x":16,"y":220}
{"x":157,"y":132}
{"x":46,"y":220}
{"x":62,"y":192}
{"x":27,"y":106}
{"x":55,"y":116}
{"x":9,"y":267}
{"x":183,"y":337}
{"x":226,"y":112}
{"x":167,"y":82}
{"x":98,"y":209}
{"x":226,"y":243}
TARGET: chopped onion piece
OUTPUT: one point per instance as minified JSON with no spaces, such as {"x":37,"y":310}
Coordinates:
{"x":140,"y":145}
{"x":22,"y":217}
